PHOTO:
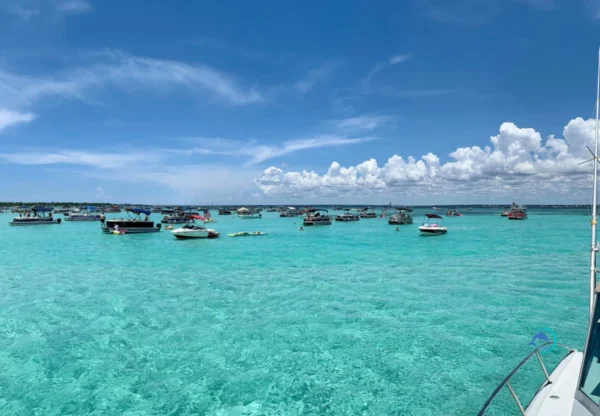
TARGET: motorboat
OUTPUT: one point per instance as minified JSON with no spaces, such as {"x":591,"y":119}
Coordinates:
{"x":401,"y":217}
{"x":246,"y":234}
{"x":61,"y":210}
{"x":317,"y":217}
{"x":133,"y":224}
{"x":453,"y":213}
{"x":90,"y":213}
{"x":504,"y":213}
{"x":38,"y":216}
{"x":224,"y":211}
{"x":289,"y":212}
{"x":572,"y":388}
{"x":517,"y":212}
{"x":114,"y":209}
{"x":432,"y":225}
{"x":194,"y":228}
{"x":247,"y":214}
{"x":368,"y":213}
{"x":347,"y":217}
{"x":178,"y":217}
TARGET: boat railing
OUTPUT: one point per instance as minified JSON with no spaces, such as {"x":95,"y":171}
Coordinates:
{"x":506,"y":381}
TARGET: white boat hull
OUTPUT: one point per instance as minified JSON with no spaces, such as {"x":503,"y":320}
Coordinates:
{"x":432,"y":230}
{"x":183,"y":234}
{"x":19,"y":223}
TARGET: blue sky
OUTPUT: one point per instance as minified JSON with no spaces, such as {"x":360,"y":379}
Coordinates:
{"x":419,"y":101}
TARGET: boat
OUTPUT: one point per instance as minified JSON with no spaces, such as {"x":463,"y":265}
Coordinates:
{"x":504,"y":213}
{"x":337,"y":208}
{"x":38,"y":216}
{"x":224,"y":211}
{"x":178,"y":217}
{"x":571,"y":389}
{"x":517,"y":212}
{"x":247,"y":214}
{"x":289,"y":212}
{"x":194,"y":229}
{"x":436,"y":208}
{"x":347,"y":217}
{"x":401,"y":217}
{"x":61,"y":210}
{"x":317,"y":217}
{"x":453,"y":213}
{"x":432,"y":225}
{"x":90,"y":213}
{"x":114,"y":209}
{"x":133,"y":224}
{"x":246,"y":234}
{"x":368,"y":213}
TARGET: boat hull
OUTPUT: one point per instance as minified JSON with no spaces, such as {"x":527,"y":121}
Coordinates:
{"x":183,"y":235}
{"x":433,"y":231}
{"x":83,"y":219}
{"x":23,"y":223}
{"x":316,"y":223}
{"x":131,"y":230}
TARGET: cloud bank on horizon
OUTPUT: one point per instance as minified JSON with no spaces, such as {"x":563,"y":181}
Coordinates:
{"x":518,"y":163}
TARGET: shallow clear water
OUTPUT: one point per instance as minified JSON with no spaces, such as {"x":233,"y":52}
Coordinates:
{"x":354,"y":318}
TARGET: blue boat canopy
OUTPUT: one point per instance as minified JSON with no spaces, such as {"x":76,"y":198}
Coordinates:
{"x":139,"y":211}
{"x":41,"y":209}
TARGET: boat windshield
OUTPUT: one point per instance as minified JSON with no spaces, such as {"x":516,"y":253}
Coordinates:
{"x":589,"y":383}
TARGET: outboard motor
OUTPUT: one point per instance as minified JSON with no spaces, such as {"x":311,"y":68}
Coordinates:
{"x":58,"y":220}
{"x":158,"y":226}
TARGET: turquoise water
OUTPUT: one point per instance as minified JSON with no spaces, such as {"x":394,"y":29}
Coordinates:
{"x":350,"y":319}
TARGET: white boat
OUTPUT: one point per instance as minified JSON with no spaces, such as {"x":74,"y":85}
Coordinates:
{"x":573,"y":387}
{"x":88,"y":214}
{"x":289,"y":212}
{"x":194,"y":228}
{"x":38,"y":216}
{"x":432,"y":225}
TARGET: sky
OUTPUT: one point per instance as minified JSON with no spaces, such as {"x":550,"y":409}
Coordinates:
{"x":270,"y":102}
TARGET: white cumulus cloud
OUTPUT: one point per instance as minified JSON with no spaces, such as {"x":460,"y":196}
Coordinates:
{"x":518,"y":161}
{"x":9,"y":118}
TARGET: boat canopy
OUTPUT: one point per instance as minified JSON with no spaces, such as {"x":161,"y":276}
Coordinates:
{"x":322,"y":209}
{"x":41,"y":209}
{"x":243,"y":209}
{"x":139,"y":211}
{"x":432,"y":216}
{"x":196,"y":217}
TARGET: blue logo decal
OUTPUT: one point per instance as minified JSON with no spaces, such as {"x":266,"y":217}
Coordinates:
{"x":543,"y":336}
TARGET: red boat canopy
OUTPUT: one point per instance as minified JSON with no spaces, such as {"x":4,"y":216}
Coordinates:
{"x":432,"y":216}
{"x":196,"y":217}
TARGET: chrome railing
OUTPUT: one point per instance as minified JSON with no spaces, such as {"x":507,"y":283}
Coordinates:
{"x":506,"y":381}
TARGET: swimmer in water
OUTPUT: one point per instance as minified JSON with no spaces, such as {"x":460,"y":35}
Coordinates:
{"x":301,"y":228}
{"x":397,"y":229}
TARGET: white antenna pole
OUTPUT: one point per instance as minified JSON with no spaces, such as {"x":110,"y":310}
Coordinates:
{"x":595,"y":200}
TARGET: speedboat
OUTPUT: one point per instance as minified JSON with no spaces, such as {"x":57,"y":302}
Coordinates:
{"x":194,"y":229}
{"x":347,"y":217}
{"x":39,"y":216}
{"x":317,"y":217}
{"x":453,"y":213}
{"x":432,"y":225}
{"x":224,"y":211}
{"x":133,"y":224}
{"x":401,"y":217}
